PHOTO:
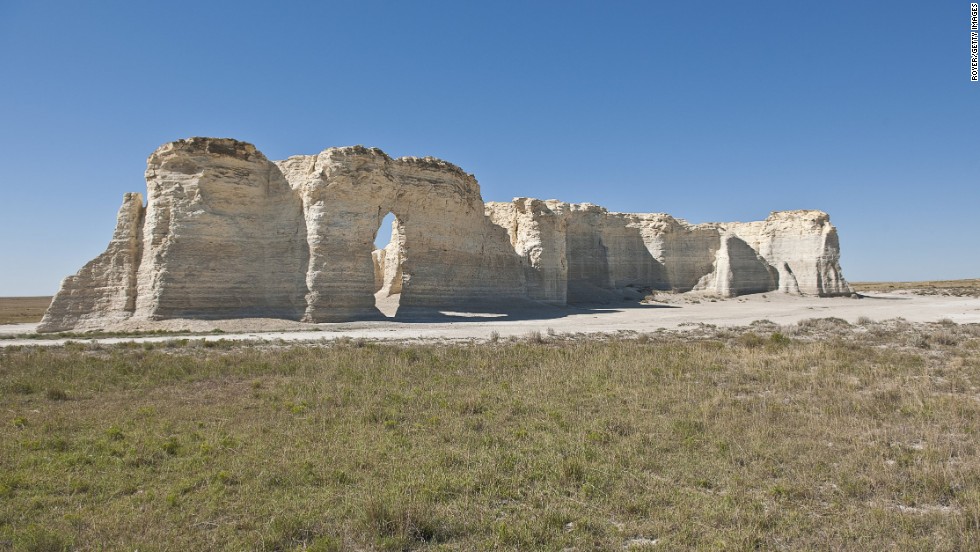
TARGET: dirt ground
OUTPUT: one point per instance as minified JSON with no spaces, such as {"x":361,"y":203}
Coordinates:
{"x":668,"y":312}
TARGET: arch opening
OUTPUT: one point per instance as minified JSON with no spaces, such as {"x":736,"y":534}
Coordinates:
{"x":388,"y":257}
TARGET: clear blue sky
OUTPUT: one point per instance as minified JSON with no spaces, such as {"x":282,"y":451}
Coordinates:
{"x":710,"y":111}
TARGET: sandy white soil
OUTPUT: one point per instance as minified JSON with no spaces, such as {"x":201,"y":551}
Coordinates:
{"x":676,"y":312}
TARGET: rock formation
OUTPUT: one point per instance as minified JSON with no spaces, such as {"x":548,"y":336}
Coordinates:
{"x":226,"y":233}
{"x":222,"y":237}
{"x":104,"y":290}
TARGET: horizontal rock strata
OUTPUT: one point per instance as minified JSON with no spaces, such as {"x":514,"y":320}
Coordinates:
{"x":227,"y":233}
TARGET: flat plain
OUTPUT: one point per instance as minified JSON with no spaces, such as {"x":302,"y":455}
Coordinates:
{"x":958,"y":288}
{"x":17,"y":310}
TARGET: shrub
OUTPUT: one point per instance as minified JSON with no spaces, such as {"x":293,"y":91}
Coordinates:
{"x":779,"y":339}
{"x":56,"y":394}
{"x":750,"y":340}
{"x":534,"y":336}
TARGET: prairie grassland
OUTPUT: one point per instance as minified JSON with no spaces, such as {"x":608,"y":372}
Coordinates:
{"x":958,"y":288}
{"x":819,"y":436}
{"x":16,"y":310}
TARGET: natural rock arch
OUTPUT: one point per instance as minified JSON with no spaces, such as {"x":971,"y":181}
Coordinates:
{"x":388,"y":269}
{"x":451,"y":254}
{"x":226,"y":233}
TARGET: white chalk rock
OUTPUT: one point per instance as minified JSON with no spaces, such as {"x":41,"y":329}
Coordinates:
{"x":104,"y":290}
{"x":226,"y":233}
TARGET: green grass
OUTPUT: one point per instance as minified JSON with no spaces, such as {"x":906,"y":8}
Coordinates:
{"x":726,"y":442}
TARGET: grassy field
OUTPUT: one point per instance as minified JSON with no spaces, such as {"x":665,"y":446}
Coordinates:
{"x":959,"y":288}
{"x":17,"y":310}
{"x":819,"y":436}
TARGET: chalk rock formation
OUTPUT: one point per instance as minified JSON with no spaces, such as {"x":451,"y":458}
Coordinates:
{"x":537,"y":231}
{"x":223,"y":235}
{"x":738,"y":270}
{"x":802,"y":246}
{"x":614,"y":255}
{"x":226,"y":233}
{"x":388,"y":264}
{"x":449,"y":252}
{"x":104,"y":290}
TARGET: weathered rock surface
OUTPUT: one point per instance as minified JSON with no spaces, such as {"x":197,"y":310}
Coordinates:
{"x":388,"y":264}
{"x":226,"y":233}
{"x":104,"y":290}
{"x":738,"y":270}
{"x":614,"y":255}
{"x":223,"y":235}
{"x":450,"y":254}
{"x":802,"y":246}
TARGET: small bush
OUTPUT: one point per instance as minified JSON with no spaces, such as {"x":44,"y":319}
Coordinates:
{"x":824,"y":324}
{"x":918,"y":341}
{"x":750,"y":340}
{"x":944,"y":337}
{"x":779,"y":339}
{"x":403,"y":523}
{"x":171,"y":446}
{"x":114,"y":434}
{"x":21,"y":388}
{"x":56,"y":394}
{"x":534,"y":337}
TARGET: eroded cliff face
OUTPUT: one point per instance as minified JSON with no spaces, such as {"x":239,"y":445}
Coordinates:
{"x":104,"y":290}
{"x":223,"y":235}
{"x":537,"y":231}
{"x":226,"y":233}
{"x":448,"y":253}
{"x":802,"y":246}
{"x":610,"y":256}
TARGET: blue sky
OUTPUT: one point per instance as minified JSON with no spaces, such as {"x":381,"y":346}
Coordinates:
{"x":710,"y":111}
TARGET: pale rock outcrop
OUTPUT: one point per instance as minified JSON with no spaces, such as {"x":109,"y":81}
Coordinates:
{"x":104,"y":290}
{"x":686,"y":251}
{"x":738,"y":270}
{"x":537,"y":231}
{"x":388,"y":264}
{"x":226,"y":233}
{"x":803,"y":247}
{"x":450,"y":253}
{"x":223,"y":236}
{"x":620,"y":255}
